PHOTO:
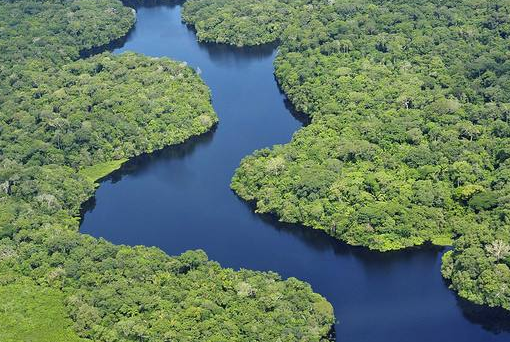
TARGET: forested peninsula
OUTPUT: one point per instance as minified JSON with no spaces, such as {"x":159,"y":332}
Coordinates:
{"x":66,"y":122}
{"x":410,"y":138}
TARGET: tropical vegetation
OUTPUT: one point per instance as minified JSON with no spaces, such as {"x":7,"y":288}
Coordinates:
{"x":65,"y":122}
{"x":241,"y":23}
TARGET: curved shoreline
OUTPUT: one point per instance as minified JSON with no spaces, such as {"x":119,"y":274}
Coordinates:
{"x":413,"y":248}
{"x":83,"y":268}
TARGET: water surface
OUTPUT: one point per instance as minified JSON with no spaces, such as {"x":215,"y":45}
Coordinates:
{"x":179,"y":199}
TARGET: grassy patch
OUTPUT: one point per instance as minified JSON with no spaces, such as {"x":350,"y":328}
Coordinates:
{"x":442,"y":240}
{"x":31,"y":313}
{"x":98,"y":171}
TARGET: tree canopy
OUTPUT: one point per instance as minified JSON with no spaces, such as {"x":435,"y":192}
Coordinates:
{"x":241,"y":23}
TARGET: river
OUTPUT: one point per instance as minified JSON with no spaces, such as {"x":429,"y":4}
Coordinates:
{"x":179,"y":199}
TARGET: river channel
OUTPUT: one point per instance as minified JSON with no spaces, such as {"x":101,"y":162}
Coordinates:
{"x":179,"y":199}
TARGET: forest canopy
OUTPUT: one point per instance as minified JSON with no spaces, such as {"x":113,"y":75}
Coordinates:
{"x":410,"y":134}
{"x":241,"y":23}
{"x":64,"y":122}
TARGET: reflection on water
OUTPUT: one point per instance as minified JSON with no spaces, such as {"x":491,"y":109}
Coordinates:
{"x":114,"y":44}
{"x":495,"y":320}
{"x":179,"y":199}
{"x":142,"y":163}
{"x":223,"y":52}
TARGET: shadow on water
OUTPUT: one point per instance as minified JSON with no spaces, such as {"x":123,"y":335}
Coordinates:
{"x":216,"y":51}
{"x":494,"y":320}
{"x":303,"y":118}
{"x":114,"y":44}
{"x":319,"y":240}
{"x":121,"y":41}
{"x":153,"y":3}
{"x":141,"y":163}
{"x":223,"y":52}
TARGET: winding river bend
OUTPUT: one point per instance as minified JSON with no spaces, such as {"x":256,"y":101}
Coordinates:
{"x":179,"y":199}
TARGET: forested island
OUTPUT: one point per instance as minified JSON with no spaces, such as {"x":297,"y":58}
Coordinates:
{"x":410,"y":135}
{"x":65,"y":122}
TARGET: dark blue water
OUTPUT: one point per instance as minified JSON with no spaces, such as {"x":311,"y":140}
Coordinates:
{"x":179,"y":199}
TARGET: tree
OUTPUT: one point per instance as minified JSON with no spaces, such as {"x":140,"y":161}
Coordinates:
{"x":498,"y":249}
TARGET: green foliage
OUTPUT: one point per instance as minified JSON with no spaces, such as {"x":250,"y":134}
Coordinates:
{"x":95,"y":172}
{"x":442,"y":240}
{"x":103,"y":108}
{"x":238,"y":23}
{"x":119,"y":293}
{"x":410,"y":111}
{"x":64,"y":123}
{"x":30,"y":313}
{"x":40,"y":34}
{"x":479,"y":266}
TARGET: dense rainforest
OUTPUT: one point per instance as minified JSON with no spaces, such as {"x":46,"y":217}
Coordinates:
{"x":66,"y":122}
{"x":240,"y":23}
{"x":410,"y":134}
